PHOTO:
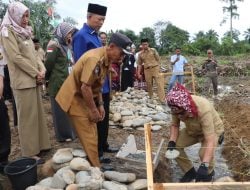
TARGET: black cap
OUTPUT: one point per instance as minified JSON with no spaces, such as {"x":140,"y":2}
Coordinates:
{"x":144,"y":40}
{"x":35,"y":40}
{"x":121,"y":41}
{"x":97,"y":9}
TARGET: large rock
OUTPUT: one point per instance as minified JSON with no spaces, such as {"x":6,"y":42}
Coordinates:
{"x":58,"y":182}
{"x":39,"y":187}
{"x":127,"y":113}
{"x":138,"y":184}
{"x":46,"y":182}
{"x":78,"y":152}
{"x":110,"y":185}
{"x":62,"y":156}
{"x":79,"y":164}
{"x":82,"y":177}
{"x":120,"y":177}
{"x":117,"y":117}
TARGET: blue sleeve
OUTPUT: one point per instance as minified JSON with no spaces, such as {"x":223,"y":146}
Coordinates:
{"x":79,"y":46}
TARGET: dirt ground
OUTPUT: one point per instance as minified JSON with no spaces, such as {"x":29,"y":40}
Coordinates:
{"x":234,"y":109}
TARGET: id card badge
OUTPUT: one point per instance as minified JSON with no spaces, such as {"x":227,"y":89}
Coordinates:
{"x":70,"y":68}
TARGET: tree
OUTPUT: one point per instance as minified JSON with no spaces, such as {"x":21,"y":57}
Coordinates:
{"x":172,"y":37}
{"x":149,"y":33}
{"x":70,"y":20}
{"x":204,"y":41}
{"x":234,"y":35}
{"x":232,"y":10}
{"x":247,"y":35}
{"x":3,"y":7}
{"x":39,"y":18}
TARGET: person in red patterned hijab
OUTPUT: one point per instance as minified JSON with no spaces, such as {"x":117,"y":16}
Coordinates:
{"x":179,"y":98}
{"x":202,"y":125}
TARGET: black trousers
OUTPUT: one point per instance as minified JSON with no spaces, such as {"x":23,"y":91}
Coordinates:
{"x":4,"y":132}
{"x":127,"y":80}
{"x":103,"y":126}
{"x":7,"y":92}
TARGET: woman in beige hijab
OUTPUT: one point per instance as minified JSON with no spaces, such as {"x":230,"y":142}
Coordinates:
{"x":26,"y":73}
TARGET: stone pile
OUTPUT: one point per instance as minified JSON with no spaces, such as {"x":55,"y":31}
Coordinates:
{"x":132,"y":109}
{"x":73,"y":172}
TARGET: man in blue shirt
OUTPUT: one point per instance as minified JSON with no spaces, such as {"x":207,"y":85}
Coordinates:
{"x":85,"y":39}
{"x":178,"y":62}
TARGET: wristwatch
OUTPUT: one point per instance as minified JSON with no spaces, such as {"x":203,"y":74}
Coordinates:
{"x":206,"y":164}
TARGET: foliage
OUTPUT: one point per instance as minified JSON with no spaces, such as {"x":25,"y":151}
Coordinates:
{"x":39,"y":19}
{"x":3,"y":7}
{"x":150,"y":34}
{"x":70,"y":20}
{"x":227,"y":47}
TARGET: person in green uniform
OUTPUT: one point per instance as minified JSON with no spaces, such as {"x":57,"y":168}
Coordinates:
{"x":203,"y":125}
{"x":59,"y":62}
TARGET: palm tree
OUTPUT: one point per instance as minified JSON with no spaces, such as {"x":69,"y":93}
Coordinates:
{"x":232,"y":10}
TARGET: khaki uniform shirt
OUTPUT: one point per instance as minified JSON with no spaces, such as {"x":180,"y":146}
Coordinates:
{"x":21,"y":59}
{"x":207,"y":122}
{"x":90,"y":69}
{"x":41,"y":54}
{"x":149,"y":57}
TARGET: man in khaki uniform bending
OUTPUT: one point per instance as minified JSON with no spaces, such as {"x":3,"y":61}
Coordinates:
{"x":150,"y":58}
{"x":203,"y":124}
{"x":81,"y":97}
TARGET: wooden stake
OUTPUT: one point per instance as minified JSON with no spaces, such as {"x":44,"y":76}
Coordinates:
{"x":149,"y":163}
{"x":193,"y":81}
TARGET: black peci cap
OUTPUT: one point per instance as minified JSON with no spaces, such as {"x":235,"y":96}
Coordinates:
{"x":121,"y":41}
{"x":144,"y":40}
{"x":97,"y":9}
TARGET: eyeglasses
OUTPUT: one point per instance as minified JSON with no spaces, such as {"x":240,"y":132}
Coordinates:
{"x":209,"y":52}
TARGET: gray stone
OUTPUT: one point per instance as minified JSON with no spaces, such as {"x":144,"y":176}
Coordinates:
{"x":62,"y":156}
{"x":138,"y":184}
{"x":78,"y":152}
{"x":110,"y":185}
{"x":58,"y":182}
{"x":120,"y":177}
{"x":79,"y":164}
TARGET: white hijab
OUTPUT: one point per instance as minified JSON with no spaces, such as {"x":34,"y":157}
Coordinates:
{"x":13,"y":19}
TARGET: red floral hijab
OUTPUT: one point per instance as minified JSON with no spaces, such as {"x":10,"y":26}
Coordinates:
{"x":179,"y":96}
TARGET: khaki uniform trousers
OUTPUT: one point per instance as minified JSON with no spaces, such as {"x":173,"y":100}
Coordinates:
{"x":150,"y":74}
{"x":185,"y":140}
{"x":87,"y":134}
{"x":32,"y":128}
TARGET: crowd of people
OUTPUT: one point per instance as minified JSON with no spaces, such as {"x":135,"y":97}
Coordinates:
{"x":83,"y":68}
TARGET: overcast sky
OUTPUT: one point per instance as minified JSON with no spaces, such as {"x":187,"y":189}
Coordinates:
{"x":190,"y":15}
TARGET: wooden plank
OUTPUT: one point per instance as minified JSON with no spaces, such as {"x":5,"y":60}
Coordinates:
{"x":203,"y":186}
{"x":170,"y":73}
{"x":157,"y":156}
{"x":193,"y":81}
{"x":148,"y":148}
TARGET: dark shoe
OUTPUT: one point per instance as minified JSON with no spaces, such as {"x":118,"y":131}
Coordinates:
{"x":2,"y":165}
{"x":105,"y":160}
{"x":111,"y":150}
{"x":189,"y":176}
{"x":211,"y":175}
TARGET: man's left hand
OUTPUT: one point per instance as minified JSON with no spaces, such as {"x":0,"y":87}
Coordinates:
{"x":202,"y":174}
